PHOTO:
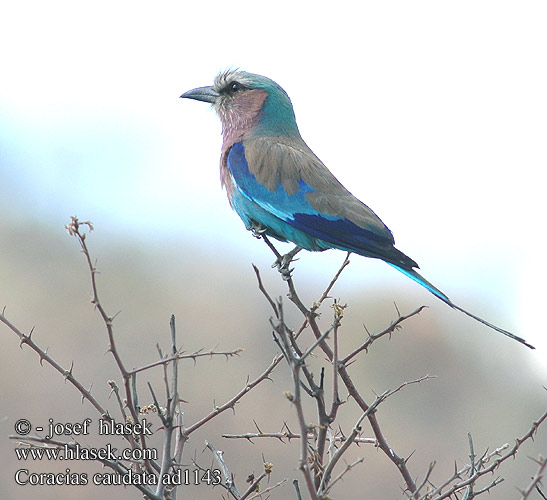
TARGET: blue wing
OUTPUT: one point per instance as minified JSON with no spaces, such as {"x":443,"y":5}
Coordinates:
{"x":294,"y":218}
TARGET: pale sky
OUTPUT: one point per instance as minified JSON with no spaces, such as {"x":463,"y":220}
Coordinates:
{"x":433,"y":113}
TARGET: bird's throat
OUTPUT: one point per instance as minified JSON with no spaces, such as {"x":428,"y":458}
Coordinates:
{"x":239,"y":116}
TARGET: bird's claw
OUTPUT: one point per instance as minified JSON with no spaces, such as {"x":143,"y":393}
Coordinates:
{"x":283,"y":268}
{"x":283,"y":262}
{"x":257,"y":230}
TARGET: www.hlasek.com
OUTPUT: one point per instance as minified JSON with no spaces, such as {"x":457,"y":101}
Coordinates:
{"x":108,"y":453}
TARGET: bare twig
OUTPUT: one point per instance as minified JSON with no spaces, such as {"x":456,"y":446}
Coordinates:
{"x":265,"y":491}
{"x":295,"y":363}
{"x":263,"y":290}
{"x":228,"y":476}
{"x":327,"y":291}
{"x":74,"y":230}
{"x":180,"y":356}
{"x":357,"y":429}
{"x":281,"y":436}
{"x":536,"y":479}
{"x":438,"y":494}
{"x":343,"y":473}
{"x":168,"y":419}
{"x":253,"y":486}
{"x":45,"y":356}
{"x":232,"y":401}
{"x":395,"y":325}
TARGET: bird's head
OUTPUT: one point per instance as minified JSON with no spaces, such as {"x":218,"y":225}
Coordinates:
{"x":248,"y":105}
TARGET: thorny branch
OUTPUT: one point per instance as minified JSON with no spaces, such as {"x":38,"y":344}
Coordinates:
{"x":175,"y":435}
{"x":74,"y":229}
{"x":322,"y":448}
{"x":311,"y":319}
{"x":487,"y":464}
{"x":535,"y":483}
{"x":165,"y":360}
{"x":314,"y":443}
{"x":26,"y":339}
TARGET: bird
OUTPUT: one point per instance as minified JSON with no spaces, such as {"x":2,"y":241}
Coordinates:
{"x":281,"y":189}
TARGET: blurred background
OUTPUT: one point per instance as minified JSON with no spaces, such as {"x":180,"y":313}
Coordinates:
{"x":432,"y":113}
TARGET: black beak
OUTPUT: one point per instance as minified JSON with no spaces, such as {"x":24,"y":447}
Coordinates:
{"x":205,"y":94}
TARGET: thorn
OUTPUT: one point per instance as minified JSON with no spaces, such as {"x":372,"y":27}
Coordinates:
{"x":68,"y":373}
{"x":409,"y":456}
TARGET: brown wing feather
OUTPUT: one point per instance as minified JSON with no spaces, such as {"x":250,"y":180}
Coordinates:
{"x":275,"y":159}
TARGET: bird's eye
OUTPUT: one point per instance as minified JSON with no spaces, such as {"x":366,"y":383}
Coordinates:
{"x":232,"y":88}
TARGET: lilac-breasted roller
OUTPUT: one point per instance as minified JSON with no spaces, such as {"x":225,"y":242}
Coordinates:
{"x":280,"y":188}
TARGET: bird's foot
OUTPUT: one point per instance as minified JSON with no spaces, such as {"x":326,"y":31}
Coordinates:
{"x":257,"y":230}
{"x":284,"y":261}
